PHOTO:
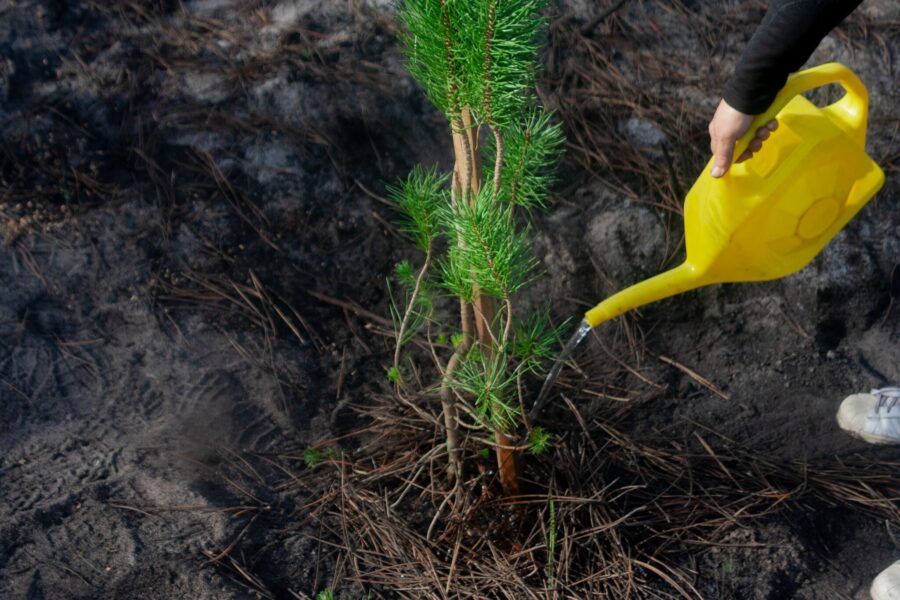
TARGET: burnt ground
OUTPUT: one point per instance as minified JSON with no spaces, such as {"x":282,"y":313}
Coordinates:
{"x":194,"y":257}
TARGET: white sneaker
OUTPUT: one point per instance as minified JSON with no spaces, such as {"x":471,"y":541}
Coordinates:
{"x":887,"y":585}
{"x":875,"y":417}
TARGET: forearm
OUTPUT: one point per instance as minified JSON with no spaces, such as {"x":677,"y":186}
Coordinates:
{"x":784,"y":40}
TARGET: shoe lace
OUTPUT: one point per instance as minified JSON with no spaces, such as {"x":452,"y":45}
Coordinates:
{"x":886,"y":398}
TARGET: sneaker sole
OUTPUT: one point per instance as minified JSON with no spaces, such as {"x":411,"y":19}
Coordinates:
{"x":866,"y":437}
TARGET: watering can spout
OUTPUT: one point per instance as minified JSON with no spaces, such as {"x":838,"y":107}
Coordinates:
{"x":669,"y":283}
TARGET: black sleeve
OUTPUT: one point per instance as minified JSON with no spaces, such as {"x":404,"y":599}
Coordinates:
{"x":784,"y":40}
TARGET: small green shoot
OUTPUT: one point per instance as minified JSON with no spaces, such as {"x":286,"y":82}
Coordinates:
{"x":536,"y":341}
{"x":403,"y":273}
{"x":489,"y":382}
{"x":313,"y":457}
{"x":420,"y":199}
{"x":727,"y":567}
{"x":394,"y":375}
{"x":457,"y":339}
{"x":538,"y":440}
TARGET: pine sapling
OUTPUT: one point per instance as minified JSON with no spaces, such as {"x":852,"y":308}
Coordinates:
{"x":476,"y":61}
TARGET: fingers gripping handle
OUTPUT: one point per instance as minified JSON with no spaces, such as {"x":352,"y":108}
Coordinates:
{"x":850,"y":110}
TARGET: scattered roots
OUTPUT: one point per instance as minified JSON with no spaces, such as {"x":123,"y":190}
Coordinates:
{"x":628,"y":518}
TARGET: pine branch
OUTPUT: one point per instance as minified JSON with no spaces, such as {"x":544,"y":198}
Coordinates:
{"x":491,"y":255}
{"x":428,"y":56}
{"x":420,"y":199}
{"x":531,"y":153}
{"x":512,"y":34}
{"x":535,"y":341}
{"x":487,"y":380}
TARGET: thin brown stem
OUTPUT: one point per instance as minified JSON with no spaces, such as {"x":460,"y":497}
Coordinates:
{"x":487,"y":97}
{"x":448,"y":403}
{"x":452,"y":100}
{"x":466,"y":316}
{"x":498,"y":162}
{"x":463,"y":151}
{"x":488,"y":47}
{"x":522,"y":411}
{"x":507,"y":329}
{"x":404,"y":324}
{"x":470,"y":158}
{"x":483,"y":322}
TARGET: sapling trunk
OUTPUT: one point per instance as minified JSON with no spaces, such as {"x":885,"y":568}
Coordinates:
{"x":468,"y":161}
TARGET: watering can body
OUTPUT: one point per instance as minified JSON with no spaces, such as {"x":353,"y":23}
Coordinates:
{"x":771,"y":215}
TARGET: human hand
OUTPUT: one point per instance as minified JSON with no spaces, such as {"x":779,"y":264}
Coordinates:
{"x":727,"y":125}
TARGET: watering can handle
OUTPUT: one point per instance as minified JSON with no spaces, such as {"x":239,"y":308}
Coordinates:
{"x":851,"y":110}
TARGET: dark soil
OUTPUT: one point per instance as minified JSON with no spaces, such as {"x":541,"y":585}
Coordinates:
{"x":192,"y":240}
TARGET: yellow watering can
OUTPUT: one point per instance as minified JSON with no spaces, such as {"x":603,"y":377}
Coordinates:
{"x":771,"y":215}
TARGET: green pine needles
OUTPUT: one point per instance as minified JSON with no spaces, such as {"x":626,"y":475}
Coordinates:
{"x":476,"y":61}
{"x":490,"y":253}
{"x":421,"y":198}
{"x":531,"y":149}
{"x":487,"y":380}
{"x":480,"y":54}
